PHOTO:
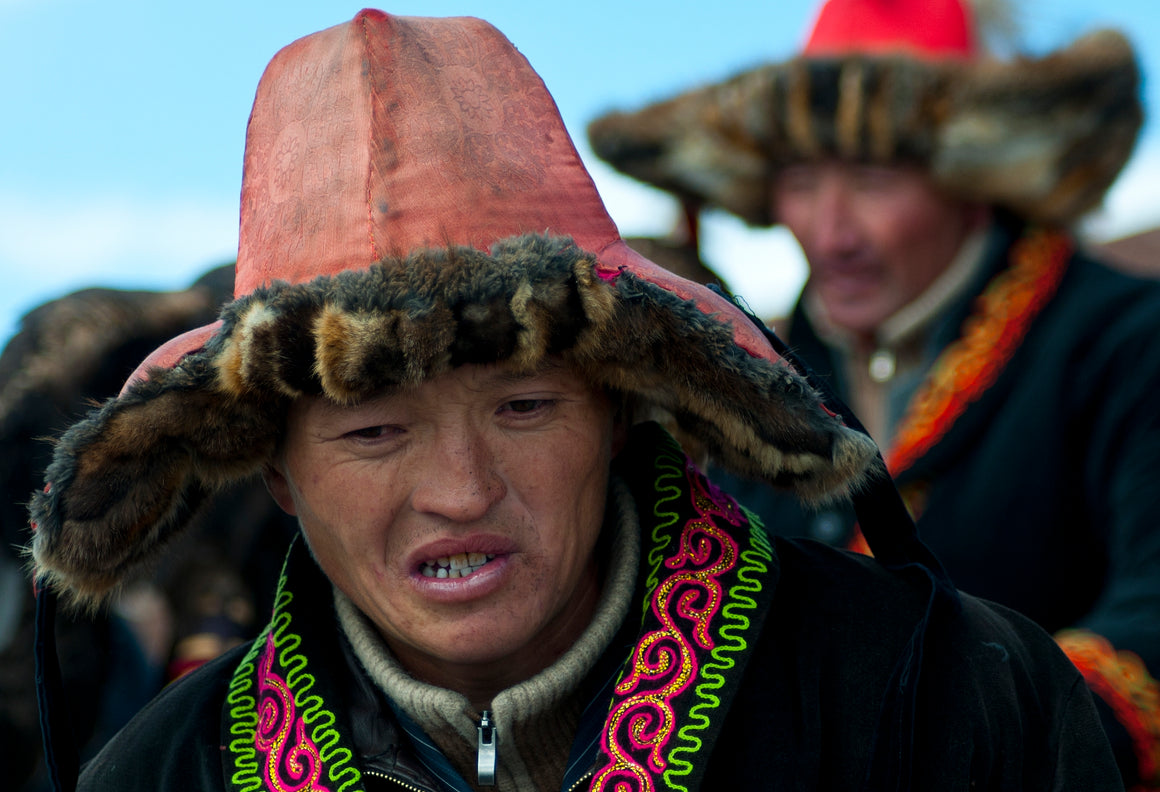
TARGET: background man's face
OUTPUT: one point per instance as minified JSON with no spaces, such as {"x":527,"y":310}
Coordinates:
{"x":506,"y":474}
{"x":875,"y":237}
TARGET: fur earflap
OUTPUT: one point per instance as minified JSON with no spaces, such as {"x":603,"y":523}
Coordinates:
{"x":71,"y":350}
{"x":126,"y":479}
{"x":1044,"y":138}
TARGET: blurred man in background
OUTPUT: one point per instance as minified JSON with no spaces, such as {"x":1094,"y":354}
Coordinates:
{"x":1011,"y":378}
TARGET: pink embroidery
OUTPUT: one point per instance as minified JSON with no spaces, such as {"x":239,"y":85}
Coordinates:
{"x":664,"y":663}
{"x":292,"y":761}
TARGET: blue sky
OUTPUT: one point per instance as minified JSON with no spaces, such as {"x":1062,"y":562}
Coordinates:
{"x":123,"y":123}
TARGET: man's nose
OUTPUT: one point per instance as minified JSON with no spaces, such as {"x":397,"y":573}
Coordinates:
{"x":458,"y":479}
{"x":833,"y":228}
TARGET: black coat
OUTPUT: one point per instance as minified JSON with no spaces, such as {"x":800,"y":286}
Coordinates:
{"x":808,"y":679}
{"x":1043,"y":494}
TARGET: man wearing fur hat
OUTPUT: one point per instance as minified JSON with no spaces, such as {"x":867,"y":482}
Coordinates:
{"x":508,"y":576}
{"x":1010,"y":378}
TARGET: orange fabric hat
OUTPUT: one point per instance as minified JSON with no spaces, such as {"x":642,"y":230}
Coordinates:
{"x":339,"y":171}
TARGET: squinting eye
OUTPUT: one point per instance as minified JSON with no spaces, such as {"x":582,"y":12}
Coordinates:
{"x":524,"y":405}
{"x":367,"y":432}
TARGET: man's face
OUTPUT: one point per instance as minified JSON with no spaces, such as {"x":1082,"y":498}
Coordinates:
{"x":875,"y":237}
{"x":505,"y":474}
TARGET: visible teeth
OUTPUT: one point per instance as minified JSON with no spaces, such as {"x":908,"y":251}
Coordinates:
{"x":459,"y":565}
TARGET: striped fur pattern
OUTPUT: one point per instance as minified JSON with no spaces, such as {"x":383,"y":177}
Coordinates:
{"x":1042,"y":137}
{"x":126,"y":479}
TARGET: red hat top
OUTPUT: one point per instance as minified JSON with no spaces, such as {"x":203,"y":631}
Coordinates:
{"x":348,"y":122}
{"x":934,"y":29}
{"x":388,"y":134}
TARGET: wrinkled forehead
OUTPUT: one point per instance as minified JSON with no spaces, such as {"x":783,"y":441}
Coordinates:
{"x":468,"y":382}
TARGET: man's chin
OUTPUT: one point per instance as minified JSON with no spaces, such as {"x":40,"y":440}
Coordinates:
{"x":461,"y":658}
{"x":855,"y":318}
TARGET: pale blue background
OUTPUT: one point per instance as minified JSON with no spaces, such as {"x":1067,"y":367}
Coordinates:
{"x":122,"y":124}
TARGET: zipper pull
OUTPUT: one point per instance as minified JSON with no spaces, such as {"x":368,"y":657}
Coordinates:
{"x":486,"y":751}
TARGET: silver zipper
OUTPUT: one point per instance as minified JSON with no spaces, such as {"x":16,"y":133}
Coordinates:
{"x":376,"y":774}
{"x":486,"y":758}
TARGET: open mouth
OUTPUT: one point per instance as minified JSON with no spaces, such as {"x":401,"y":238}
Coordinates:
{"x":459,"y":565}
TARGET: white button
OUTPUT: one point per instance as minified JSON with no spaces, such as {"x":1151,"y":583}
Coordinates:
{"x":882,"y":365}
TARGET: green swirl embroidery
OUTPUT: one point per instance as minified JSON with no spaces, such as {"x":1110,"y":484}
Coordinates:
{"x":244,"y":710}
{"x":731,"y":640}
{"x":676,"y":483}
{"x":339,"y":761}
{"x":669,"y":486}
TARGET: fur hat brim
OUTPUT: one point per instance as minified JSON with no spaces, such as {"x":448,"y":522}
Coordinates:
{"x":1041,"y":137}
{"x":127,"y":478}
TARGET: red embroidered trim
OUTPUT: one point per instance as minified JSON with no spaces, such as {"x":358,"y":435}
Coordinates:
{"x":1123,"y":682}
{"x":664,"y":663}
{"x":293,"y":763}
{"x":970,"y":365}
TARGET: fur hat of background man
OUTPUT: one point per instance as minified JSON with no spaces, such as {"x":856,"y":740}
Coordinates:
{"x":411,"y":202}
{"x":897,"y":81}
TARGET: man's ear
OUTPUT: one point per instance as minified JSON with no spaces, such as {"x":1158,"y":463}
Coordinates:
{"x":279,"y":488}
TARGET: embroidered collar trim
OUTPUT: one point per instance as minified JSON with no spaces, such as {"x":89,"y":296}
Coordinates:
{"x":969,"y":366}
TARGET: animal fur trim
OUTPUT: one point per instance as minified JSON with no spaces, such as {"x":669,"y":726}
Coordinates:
{"x":1044,"y":138}
{"x":127,"y":478}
